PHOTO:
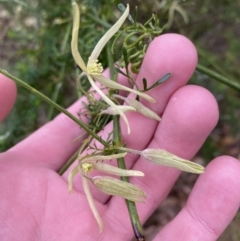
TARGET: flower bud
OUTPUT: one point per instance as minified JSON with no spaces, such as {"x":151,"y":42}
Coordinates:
{"x":166,"y":158}
{"x":113,"y":186}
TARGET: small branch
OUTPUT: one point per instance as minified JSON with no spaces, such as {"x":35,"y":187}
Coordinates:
{"x":218,"y":77}
{"x":55,"y":105}
{"x":68,"y":163}
{"x":98,"y":20}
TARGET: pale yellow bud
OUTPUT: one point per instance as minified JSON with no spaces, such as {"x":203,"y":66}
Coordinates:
{"x":166,"y":158}
{"x":113,"y":186}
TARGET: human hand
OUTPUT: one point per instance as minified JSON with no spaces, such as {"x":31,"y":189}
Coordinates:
{"x":35,"y":204}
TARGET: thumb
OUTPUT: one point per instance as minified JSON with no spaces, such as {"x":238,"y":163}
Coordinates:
{"x":8,"y":92}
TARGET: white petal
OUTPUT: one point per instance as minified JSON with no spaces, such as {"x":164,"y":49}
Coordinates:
{"x":74,"y":43}
{"x":93,"y":158}
{"x":91,"y":203}
{"x":105,"y":38}
{"x":108,"y":101}
{"x":116,"y":170}
{"x":70,"y":178}
{"x":112,"y":110}
{"x":139,"y":107}
{"x":114,"y":85}
{"x":142,"y":109}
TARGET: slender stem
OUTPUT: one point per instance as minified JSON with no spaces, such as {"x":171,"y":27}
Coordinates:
{"x":75,"y":155}
{"x":68,"y":163}
{"x":218,"y":77}
{"x":117,"y":139}
{"x":54,"y":98}
{"x":98,"y":20}
{"x":137,"y":152}
{"x":55,"y":105}
{"x":132,"y":210}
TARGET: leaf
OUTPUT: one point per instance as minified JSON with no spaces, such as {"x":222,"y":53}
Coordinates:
{"x":160,"y":81}
{"x":144,"y":84}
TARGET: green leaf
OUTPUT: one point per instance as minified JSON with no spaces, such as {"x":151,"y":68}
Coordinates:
{"x":160,"y":81}
{"x":144,"y":84}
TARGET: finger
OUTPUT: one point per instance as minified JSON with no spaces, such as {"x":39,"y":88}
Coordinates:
{"x":181,"y":62}
{"x":188,"y":119}
{"x":211,"y":206}
{"x":8,"y":93}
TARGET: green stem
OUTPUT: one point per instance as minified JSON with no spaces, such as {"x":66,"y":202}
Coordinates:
{"x":98,"y":20}
{"x":54,"y":98}
{"x":218,"y":77}
{"x":132,"y":210}
{"x":55,"y":105}
{"x":68,"y":163}
{"x":75,"y":155}
{"x":117,"y":139}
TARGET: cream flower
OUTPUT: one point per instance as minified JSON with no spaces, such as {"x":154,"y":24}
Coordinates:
{"x":106,"y":184}
{"x":112,"y":110}
{"x":93,"y":69}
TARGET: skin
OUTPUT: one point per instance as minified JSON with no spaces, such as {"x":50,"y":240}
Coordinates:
{"x":35,"y":204}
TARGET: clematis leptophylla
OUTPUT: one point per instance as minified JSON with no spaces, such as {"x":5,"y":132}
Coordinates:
{"x":106,"y":184}
{"x":93,"y":70}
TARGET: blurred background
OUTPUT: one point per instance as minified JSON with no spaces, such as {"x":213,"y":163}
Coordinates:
{"x":35,"y":46}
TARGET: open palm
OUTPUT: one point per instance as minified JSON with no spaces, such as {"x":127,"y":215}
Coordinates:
{"x":34,"y":199}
